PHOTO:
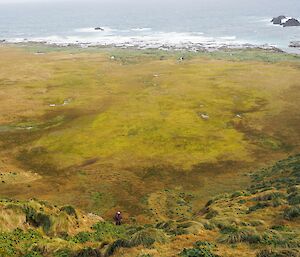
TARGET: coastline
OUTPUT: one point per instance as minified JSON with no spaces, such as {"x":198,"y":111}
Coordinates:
{"x":189,"y":48}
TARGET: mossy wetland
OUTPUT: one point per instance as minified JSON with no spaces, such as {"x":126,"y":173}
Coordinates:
{"x":156,"y":136}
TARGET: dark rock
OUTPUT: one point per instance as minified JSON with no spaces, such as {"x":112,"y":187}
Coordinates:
{"x":291,"y":23}
{"x":294,"y":44}
{"x":277,"y":20}
{"x":99,"y":28}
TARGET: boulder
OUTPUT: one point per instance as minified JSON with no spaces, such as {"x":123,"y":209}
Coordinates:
{"x":277,"y":20}
{"x":291,"y":23}
{"x":294,"y":44}
{"x":99,"y":28}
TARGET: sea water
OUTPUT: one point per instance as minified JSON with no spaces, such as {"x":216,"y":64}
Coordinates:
{"x":165,"y":24}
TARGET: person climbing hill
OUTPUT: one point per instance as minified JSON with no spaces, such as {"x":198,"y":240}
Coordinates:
{"x":118,"y":218}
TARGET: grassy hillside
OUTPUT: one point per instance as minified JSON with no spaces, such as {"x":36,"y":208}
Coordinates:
{"x":141,"y":131}
{"x":261,"y":220}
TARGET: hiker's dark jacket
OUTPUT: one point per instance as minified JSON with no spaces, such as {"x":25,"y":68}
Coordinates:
{"x":118,"y":219}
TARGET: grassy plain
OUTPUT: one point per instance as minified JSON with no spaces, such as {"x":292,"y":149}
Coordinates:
{"x":141,"y":131}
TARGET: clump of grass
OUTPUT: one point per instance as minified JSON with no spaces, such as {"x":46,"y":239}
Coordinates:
{"x":241,"y":235}
{"x":258,"y":206}
{"x":70,"y":210}
{"x":294,"y":198}
{"x":37,"y":219}
{"x":280,"y":239}
{"x":200,"y":249}
{"x":174,"y":228}
{"x":211,"y":214}
{"x":239,"y":193}
{"x":195,"y":252}
{"x":210,"y":202}
{"x":227,"y":228}
{"x":256,"y":223}
{"x":209,"y":226}
{"x":63,"y":253}
{"x":204,"y":244}
{"x":280,"y":227}
{"x":292,"y":212}
{"x":270,"y":196}
{"x":147,"y":237}
{"x":88,"y":252}
{"x":116,"y":245}
{"x":273,"y":253}
{"x":33,"y":254}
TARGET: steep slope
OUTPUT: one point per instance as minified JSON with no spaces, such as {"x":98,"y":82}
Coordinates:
{"x":261,"y":221}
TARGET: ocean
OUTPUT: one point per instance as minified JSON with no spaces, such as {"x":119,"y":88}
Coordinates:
{"x":164,"y":24}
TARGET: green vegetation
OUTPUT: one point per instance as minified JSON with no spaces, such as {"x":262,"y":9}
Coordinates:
{"x":200,"y":249}
{"x":271,"y":231}
{"x":156,"y":138}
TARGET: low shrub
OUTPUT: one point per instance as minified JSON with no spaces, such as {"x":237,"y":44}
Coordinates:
{"x":82,"y":237}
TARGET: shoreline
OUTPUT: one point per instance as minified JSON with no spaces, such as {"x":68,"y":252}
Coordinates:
{"x":189,"y":48}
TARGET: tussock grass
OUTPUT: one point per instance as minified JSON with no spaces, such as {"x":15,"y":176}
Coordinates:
{"x":276,"y":253}
{"x":200,"y":249}
{"x":147,"y":237}
{"x":292,"y":213}
{"x":241,"y":235}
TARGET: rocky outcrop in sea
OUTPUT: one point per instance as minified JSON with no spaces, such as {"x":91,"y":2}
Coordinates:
{"x":291,"y":23}
{"x":278,"y":20}
{"x":285,"y":22}
{"x":295,"y":44}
